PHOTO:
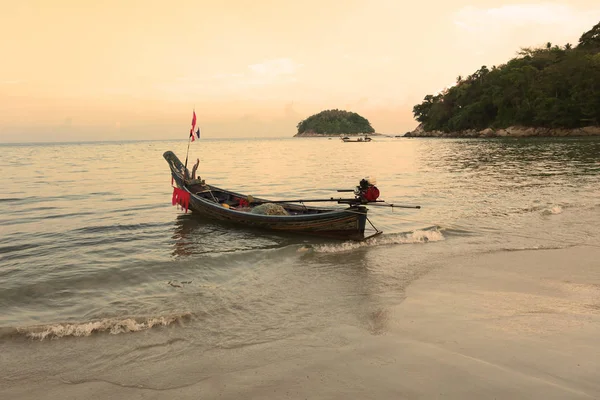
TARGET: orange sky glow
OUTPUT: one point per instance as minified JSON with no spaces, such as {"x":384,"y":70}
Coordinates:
{"x":116,"y":70}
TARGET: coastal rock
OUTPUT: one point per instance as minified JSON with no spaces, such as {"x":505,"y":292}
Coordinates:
{"x":511,"y":131}
{"x":590,"y":131}
{"x":489,"y":132}
{"x":417,"y":132}
{"x":518,"y":131}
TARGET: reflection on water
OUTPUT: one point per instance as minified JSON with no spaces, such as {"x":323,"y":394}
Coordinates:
{"x":506,"y":157}
{"x":294,"y":285}
{"x":195,"y":235}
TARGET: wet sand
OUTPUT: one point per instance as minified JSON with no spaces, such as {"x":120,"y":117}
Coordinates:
{"x":507,"y":325}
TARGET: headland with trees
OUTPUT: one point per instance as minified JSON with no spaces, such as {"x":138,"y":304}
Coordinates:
{"x":548,"y":91}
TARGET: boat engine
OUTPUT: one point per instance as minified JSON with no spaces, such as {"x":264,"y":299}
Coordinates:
{"x":366,"y":191}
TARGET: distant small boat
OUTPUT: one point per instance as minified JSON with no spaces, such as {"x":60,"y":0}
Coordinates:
{"x":356,"y":140}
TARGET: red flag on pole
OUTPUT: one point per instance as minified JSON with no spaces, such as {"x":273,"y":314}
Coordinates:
{"x":193,"y":126}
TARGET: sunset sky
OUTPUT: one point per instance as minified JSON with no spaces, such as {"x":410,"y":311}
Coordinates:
{"x":125,"y":69}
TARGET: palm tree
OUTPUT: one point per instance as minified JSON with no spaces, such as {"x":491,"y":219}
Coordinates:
{"x":591,"y":39}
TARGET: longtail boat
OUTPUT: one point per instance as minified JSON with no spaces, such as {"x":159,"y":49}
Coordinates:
{"x":346,"y":139}
{"x":347,"y":223}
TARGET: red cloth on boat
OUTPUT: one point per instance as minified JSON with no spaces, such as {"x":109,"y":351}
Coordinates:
{"x":181,"y":197}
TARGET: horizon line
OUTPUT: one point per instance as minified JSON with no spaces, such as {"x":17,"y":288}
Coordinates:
{"x":137,"y":140}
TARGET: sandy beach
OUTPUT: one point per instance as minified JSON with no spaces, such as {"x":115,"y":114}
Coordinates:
{"x":517,"y":324}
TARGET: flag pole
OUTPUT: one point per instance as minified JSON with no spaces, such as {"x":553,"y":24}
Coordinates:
{"x":186,"y":158}
{"x":190,"y":138}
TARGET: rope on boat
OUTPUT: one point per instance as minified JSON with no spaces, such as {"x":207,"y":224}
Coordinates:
{"x":212,"y":195}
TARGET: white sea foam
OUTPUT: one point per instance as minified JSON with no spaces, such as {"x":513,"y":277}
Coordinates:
{"x":112,"y":326}
{"x":418,"y":236}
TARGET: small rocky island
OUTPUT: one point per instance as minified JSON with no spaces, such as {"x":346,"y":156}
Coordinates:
{"x":548,"y":91}
{"x":334,"y":123}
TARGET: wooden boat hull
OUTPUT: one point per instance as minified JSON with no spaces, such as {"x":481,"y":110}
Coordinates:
{"x":207,"y":200}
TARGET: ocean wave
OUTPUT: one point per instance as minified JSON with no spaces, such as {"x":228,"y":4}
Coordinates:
{"x":17,"y":247}
{"x":37,"y":218}
{"x":44,"y":199}
{"x":455,"y":230}
{"x":535,"y":247}
{"x":414,"y":237}
{"x":112,"y":326}
{"x":95,"y":229}
{"x":103,"y":193}
{"x":10,"y":199}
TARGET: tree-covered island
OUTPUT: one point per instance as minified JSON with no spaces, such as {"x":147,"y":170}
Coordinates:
{"x":334,"y":122}
{"x":549,"y":91}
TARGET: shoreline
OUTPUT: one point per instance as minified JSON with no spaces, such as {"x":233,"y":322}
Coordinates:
{"x":512,"y":131}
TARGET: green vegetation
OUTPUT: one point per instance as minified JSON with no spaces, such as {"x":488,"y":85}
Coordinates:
{"x":334,"y":122}
{"x":550,"y":87}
